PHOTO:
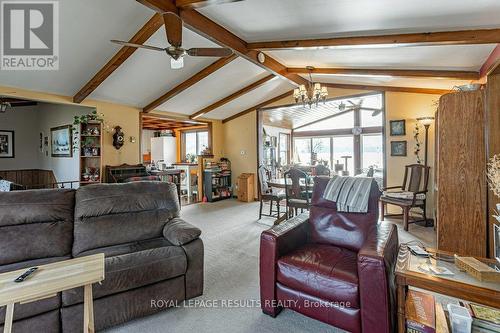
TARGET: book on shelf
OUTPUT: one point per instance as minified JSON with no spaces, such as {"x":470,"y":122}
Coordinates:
{"x":420,"y":312}
{"x":484,"y":318}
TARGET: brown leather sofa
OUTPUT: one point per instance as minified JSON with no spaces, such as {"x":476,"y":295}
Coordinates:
{"x":332,"y":266}
{"x":150,"y":253}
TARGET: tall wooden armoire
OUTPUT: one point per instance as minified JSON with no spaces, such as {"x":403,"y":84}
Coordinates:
{"x":461,"y":185}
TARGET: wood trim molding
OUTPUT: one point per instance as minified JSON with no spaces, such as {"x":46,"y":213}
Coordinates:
{"x":480,"y":36}
{"x":431,"y":91}
{"x":189,"y":82}
{"x":491,"y":63}
{"x":119,"y":58}
{"x":460,"y":75}
{"x":231,"y":97}
{"x":258,"y":106}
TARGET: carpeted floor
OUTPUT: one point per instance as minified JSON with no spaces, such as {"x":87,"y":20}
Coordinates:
{"x":230,"y":232}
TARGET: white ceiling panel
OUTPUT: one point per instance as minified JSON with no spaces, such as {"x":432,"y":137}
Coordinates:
{"x":146,"y":75}
{"x":265,"y":92}
{"x":261,"y":20}
{"x":234,"y":76}
{"x":85,"y":29}
{"x":448,"y":57}
{"x":389,"y":81}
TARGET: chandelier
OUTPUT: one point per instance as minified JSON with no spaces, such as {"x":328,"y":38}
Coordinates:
{"x":312,"y":94}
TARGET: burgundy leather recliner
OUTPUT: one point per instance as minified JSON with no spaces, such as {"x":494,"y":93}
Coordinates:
{"x":335,"y":267}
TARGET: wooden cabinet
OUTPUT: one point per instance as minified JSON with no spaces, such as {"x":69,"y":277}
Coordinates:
{"x":461,"y":174}
{"x":90,"y":153}
{"x":246,"y":187}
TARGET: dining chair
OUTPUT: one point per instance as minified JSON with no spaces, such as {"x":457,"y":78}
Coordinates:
{"x":268,"y":194}
{"x":321,"y":170}
{"x":297,"y":190}
{"x":412,"y":195}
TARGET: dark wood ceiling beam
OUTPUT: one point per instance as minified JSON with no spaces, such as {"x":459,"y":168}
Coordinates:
{"x":481,"y":36}
{"x":258,"y":106}
{"x":231,"y":97}
{"x":119,"y":58}
{"x":191,"y":4}
{"x":459,"y":75}
{"x":189,"y":82}
{"x":160,"y":6}
{"x":387,"y":88}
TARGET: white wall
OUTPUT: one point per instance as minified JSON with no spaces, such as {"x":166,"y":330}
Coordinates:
{"x":27,"y":123}
{"x":54,"y":115}
{"x":24,"y":122}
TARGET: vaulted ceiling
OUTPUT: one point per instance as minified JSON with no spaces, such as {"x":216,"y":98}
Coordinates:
{"x":333,"y":36}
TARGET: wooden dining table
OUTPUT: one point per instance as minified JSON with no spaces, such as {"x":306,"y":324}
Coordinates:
{"x":280,"y":182}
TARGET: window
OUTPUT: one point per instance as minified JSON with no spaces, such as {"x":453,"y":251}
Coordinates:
{"x":321,"y":150}
{"x":193,"y":143}
{"x":332,"y":138}
{"x":303,"y":150}
{"x":284,"y":149}
{"x":344,"y":146}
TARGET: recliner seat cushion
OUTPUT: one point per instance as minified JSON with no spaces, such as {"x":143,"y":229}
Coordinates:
{"x":110,"y":214}
{"x":35,"y":224}
{"x":133,"y":270}
{"x":323,"y":271}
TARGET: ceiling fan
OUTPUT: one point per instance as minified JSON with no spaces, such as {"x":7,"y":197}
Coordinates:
{"x":173,"y":26}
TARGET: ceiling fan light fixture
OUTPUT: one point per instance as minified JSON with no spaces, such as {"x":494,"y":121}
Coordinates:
{"x":177,"y":64}
{"x":4,"y":106}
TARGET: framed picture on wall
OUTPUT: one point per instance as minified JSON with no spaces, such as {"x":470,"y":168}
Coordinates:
{"x":398,"y":148}
{"x":61,"y":141}
{"x":6,"y":144}
{"x":398,"y":127}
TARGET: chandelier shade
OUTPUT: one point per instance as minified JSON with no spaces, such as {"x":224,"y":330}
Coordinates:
{"x":312,"y":94}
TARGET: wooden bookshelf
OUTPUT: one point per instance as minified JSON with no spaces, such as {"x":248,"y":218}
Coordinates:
{"x":90,"y":153}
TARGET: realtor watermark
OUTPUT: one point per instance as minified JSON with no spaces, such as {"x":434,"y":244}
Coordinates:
{"x":29,"y":35}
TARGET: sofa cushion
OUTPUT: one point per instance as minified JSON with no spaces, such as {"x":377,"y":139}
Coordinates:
{"x":341,"y":229}
{"x":179,"y":232}
{"x":35,"y":224}
{"x":323,"y":271}
{"x":26,"y":310}
{"x":111,"y":214}
{"x":132,"y":270}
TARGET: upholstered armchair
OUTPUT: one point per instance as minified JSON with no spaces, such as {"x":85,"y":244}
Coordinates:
{"x":332,"y":266}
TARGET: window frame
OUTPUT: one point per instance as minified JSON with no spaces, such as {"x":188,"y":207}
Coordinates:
{"x":183,"y":141}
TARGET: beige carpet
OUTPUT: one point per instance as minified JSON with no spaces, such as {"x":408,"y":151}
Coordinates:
{"x":231,"y":235}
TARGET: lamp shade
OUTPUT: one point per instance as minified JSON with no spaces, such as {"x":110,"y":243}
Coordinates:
{"x":426,"y":121}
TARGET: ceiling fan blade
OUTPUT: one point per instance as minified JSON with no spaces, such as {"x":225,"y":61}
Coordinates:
{"x":173,"y":26}
{"x":177,"y":64}
{"x":209,"y":52}
{"x":154,"y":48}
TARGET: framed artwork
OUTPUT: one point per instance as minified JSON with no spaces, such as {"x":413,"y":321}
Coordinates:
{"x":6,"y":144}
{"x":398,"y":148}
{"x":397,"y":127}
{"x":61,"y":141}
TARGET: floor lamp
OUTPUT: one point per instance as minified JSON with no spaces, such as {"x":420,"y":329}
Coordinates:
{"x":426,"y":121}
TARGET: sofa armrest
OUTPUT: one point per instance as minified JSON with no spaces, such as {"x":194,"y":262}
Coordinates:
{"x":376,"y":263}
{"x":274,"y":243}
{"x":179,"y":232}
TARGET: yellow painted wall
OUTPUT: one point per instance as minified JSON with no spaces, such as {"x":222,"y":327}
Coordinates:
{"x":410,"y":106}
{"x":114,"y":114}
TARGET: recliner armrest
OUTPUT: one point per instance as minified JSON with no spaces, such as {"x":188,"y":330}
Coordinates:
{"x":179,"y":232}
{"x":274,"y":243}
{"x":376,"y":263}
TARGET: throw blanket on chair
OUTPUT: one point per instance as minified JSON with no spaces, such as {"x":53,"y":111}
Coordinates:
{"x":350,"y":193}
{"x":5,"y":185}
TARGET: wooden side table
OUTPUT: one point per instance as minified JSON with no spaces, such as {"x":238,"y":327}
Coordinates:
{"x":50,"y":279}
{"x":460,"y":285}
